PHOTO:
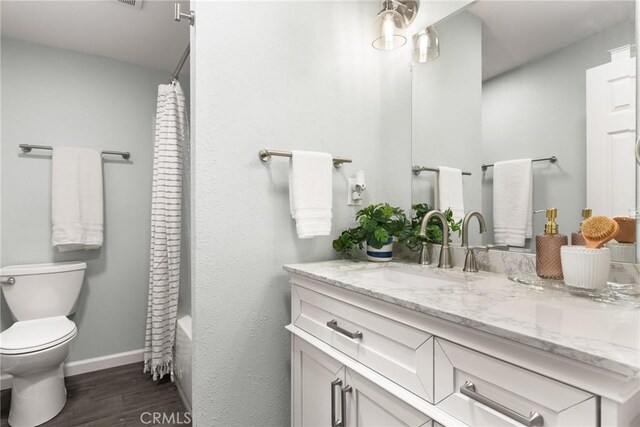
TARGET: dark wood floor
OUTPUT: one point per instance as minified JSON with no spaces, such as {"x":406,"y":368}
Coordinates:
{"x":114,"y":397}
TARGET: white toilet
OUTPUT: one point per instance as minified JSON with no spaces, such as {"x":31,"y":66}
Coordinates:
{"x":34,"y":348}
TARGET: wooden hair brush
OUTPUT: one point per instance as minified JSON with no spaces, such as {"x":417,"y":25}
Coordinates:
{"x":598,"y":230}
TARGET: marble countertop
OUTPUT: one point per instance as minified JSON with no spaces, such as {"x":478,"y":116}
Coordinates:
{"x":598,"y":334}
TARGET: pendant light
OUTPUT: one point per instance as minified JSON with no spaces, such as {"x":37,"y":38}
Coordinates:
{"x":391,"y":23}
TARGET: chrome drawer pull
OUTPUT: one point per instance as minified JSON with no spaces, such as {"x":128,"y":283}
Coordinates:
{"x":469,"y":390}
{"x":333,"y":324}
{"x":9,"y":281}
{"x":343,"y":402}
{"x":334,"y":383}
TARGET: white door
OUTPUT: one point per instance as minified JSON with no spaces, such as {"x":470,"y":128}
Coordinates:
{"x":312,"y":386}
{"x":368,"y":405}
{"x":611,"y":118}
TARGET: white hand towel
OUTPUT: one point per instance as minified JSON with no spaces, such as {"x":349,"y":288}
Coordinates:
{"x":76,"y":199}
{"x":450,"y":191}
{"x":513,"y":202}
{"x":310,"y":193}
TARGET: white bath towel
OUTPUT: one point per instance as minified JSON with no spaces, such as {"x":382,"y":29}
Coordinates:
{"x":450,"y":193}
{"x":310,"y":193}
{"x":76,"y":199}
{"x":513,"y":202}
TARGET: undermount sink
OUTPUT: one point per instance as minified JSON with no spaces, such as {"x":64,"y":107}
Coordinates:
{"x":421,"y":277}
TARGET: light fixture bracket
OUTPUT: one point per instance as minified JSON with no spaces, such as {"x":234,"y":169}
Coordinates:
{"x":408,"y":9}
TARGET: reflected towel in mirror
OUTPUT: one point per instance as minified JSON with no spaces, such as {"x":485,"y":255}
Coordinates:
{"x":513,"y":202}
{"x":450,"y":192}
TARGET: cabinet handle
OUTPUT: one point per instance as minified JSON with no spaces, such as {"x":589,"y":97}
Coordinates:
{"x":343,"y":403}
{"x":334,"y":383}
{"x":469,"y":390}
{"x":333,"y":324}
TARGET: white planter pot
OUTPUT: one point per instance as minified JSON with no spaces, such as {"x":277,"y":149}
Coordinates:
{"x":384,"y":254}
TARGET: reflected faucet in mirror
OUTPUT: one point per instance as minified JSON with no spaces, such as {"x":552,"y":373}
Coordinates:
{"x":445,"y":251}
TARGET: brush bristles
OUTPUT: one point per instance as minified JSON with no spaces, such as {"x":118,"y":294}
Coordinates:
{"x":598,"y":228}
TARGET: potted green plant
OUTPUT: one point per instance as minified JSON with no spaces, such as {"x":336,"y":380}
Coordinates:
{"x":378,"y":225}
{"x":434,"y":227}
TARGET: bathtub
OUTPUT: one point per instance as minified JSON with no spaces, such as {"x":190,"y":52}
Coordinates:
{"x":182,"y":359}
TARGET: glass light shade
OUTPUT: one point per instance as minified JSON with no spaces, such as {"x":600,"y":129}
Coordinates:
{"x":426,"y":46}
{"x":388,"y":30}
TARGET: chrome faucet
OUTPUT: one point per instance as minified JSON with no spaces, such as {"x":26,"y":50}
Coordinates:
{"x":445,"y":251}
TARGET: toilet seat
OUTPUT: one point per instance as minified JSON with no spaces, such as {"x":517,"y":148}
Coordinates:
{"x":29,"y":336}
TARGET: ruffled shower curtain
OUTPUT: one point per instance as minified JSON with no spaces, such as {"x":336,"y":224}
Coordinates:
{"x":164,"y":269}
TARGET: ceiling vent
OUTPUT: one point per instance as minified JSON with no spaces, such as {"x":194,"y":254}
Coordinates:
{"x":136,"y":4}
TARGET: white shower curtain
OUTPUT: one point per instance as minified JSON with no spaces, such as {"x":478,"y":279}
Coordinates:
{"x":164,"y":269}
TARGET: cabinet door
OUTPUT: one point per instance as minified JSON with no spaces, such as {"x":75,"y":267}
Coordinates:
{"x":313,"y":373}
{"x":368,"y":405}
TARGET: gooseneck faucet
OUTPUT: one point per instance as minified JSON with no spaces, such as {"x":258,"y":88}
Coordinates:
{"x":470,"y":264}
{"x":445,"y":252}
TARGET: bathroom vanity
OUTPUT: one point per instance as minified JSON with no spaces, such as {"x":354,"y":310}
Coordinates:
{"x":404,"y":344}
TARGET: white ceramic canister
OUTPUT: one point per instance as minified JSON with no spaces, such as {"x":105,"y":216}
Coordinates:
{"x":584,"y":267}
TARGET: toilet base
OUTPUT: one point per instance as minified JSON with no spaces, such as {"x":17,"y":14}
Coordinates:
{"x":37,"y":397}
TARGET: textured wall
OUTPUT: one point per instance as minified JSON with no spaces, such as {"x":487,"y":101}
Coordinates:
{"x":290,"y":75}
{"x":539,"y":110}
{"x":57,"y":97}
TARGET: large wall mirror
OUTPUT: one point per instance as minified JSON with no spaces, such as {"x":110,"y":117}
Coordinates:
{"x":552,"y":81}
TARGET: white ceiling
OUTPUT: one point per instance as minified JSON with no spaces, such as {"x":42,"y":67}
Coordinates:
{"x":518,"y":31}
{"x":148,"y":36}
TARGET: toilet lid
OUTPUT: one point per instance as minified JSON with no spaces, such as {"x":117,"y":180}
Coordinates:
{"x":28,"y":336}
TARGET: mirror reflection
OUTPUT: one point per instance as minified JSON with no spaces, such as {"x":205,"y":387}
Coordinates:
{"x":531,"y":104}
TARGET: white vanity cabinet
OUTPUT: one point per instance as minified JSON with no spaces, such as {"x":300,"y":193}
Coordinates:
{"x":358,"y":360}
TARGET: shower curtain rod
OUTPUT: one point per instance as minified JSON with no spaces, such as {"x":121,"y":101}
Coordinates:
{"x":183,"y":59}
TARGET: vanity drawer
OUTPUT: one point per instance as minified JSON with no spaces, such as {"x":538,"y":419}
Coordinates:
{"x":400,"y":352}
{"x":480,"y":390}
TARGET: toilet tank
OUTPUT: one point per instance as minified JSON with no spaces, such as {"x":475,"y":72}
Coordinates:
{"x":42,"y":290}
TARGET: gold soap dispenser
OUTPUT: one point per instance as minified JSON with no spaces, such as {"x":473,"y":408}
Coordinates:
{"x":548,"y":261}
{"x":576,"y":237}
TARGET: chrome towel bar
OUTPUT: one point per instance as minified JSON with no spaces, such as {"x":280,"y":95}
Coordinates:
{"x":265,"y":156}
{"x":551,"y":159}
{"x":26,"y":148}
{"x":417,"y":169}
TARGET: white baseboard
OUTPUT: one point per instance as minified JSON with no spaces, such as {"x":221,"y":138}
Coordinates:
{"x":183,"y":397}
{"x":90,"y":365}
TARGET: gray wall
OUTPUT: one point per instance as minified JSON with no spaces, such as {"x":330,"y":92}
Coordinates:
{"x":539,"y":110}
{"x":57,"y":97}
{"x":295,"y":75}
{"x":447,"y":103}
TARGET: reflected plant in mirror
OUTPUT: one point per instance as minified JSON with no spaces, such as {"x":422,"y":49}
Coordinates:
{"x":523,"y":81}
